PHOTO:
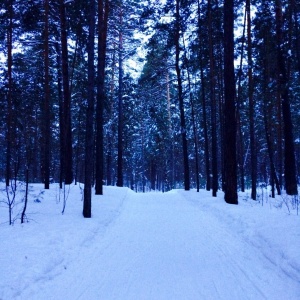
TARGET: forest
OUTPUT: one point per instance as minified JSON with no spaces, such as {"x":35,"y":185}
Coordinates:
{"x":151,"y":95}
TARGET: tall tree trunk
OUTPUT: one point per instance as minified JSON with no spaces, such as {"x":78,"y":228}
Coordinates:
{"x":77,"y":151}
{"x":142,"y":158}
{"x":240,"y":139}
{"x":212,"y":84}
{"x":9,"y":94}
{"x":171,"y":144}
{"x":230,"y":172}
{"x":251,"y":106}
{"x":195,"y":135}
{"x":221,"y":102}
{"x":273,"y":175}
{"x":120,"y":107}
{"x":222,"y":130}
{"x":203,"y":102}
{"x":267,"y":97}
{"x":280,"y":149}
{"x":102,"y":33}
{"x":295,"y":13}
{"x":23,"y":214}
{"x":89,"y":138}
{"x":61,"y":115}
{"x":181,"y":104}
{"x":47,"y":132}
{"x":240,"y":150}
{"x":68,"y":155}
{"x":110,"y":131}
{"x":289,"y":151}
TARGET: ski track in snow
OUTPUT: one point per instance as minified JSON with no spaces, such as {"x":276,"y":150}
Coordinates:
{"x":152,"y":246}
{"x":164,"y":246}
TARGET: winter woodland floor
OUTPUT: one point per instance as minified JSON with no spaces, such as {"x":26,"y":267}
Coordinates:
{"x":176,"y":245}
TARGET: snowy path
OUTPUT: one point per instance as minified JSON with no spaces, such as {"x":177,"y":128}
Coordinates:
{"x":162,"y":246}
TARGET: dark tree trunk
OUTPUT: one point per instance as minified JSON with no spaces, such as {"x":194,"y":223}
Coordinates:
{"x":203,"y":102}
{"x":102,"y":33}
{"x":297,"y":32}
{"x":240,"y":150}
{"x":193,"y":115}
{"x":61,"y":114}
{"x":251,"y":106}
{"x":89,"y":137}
{"x":273,"y":175}
{"x":109,"y":159}
{"x":266,"y":80}
{"x":47,"y":132}
{"x":120,"y":109}
{"x":289,"y":151}
{"x":212,"y":84}
{"x":195,"y":136}
{"x":240,"y":139}
{"x":230,"y":168}
{"x":68,"y":171}
{"x":109,"y":166}
{"x":143,"y":159}
{"x":222,"y":134}
{"x":9,"y":94}
{"x":26,"y":196}
{"x":204,"y":121}
{"x":181,"y":104}
{"x":77,"y":151}
{"x":279,"y":138}
{"x":170,"y":150}
{"x":152,"y":175}
{"x":220,"y":84}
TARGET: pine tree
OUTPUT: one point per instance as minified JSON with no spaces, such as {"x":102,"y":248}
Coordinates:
{"x":89,"y":136}
{"x":103,"y":11}
{"x":180,"y":98}
{"x":9,"y":131}
{"x":47,"y":132}
{"x":67,"y":130}
{"x":289,"y":150}
{"x":230,"y":184}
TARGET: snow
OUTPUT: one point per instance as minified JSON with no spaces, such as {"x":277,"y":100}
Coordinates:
{"x":175,"y":245}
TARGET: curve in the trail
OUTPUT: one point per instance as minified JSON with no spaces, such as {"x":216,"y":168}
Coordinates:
{"x":161,"y":246}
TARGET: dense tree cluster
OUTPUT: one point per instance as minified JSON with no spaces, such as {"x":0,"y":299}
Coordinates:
{"x":216,"y":104}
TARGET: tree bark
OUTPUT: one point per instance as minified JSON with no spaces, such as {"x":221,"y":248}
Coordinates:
{"x":68,"y":151}
{"x":193,"y":115}
{"x":61,"y":115}
{"x":120,"y":108}
{"x":203,"y":103}
{"x":289,"y":150}
{"x":267,"y":97}
{"x":181,"y":104}
{"x":230,"y":172}
{"x":89,"y":137}
{"x":26,"y":196}
{"x":251,"y":106}
{"x":240,"y":139}
{"x":9,"y":94}
{"x":102,"y":34}
{"x":297,"y":32}
{"x":194,"y":134}
{"x":47,"y":132}
{"x":110,"y":131}
{"x":212,"y":84}
{"x":273,"y":175}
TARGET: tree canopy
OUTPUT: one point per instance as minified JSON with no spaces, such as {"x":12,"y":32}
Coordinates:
{"x":153,"y":95}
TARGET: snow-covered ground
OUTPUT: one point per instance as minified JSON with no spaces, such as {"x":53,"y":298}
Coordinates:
{"x":176,"y":245}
